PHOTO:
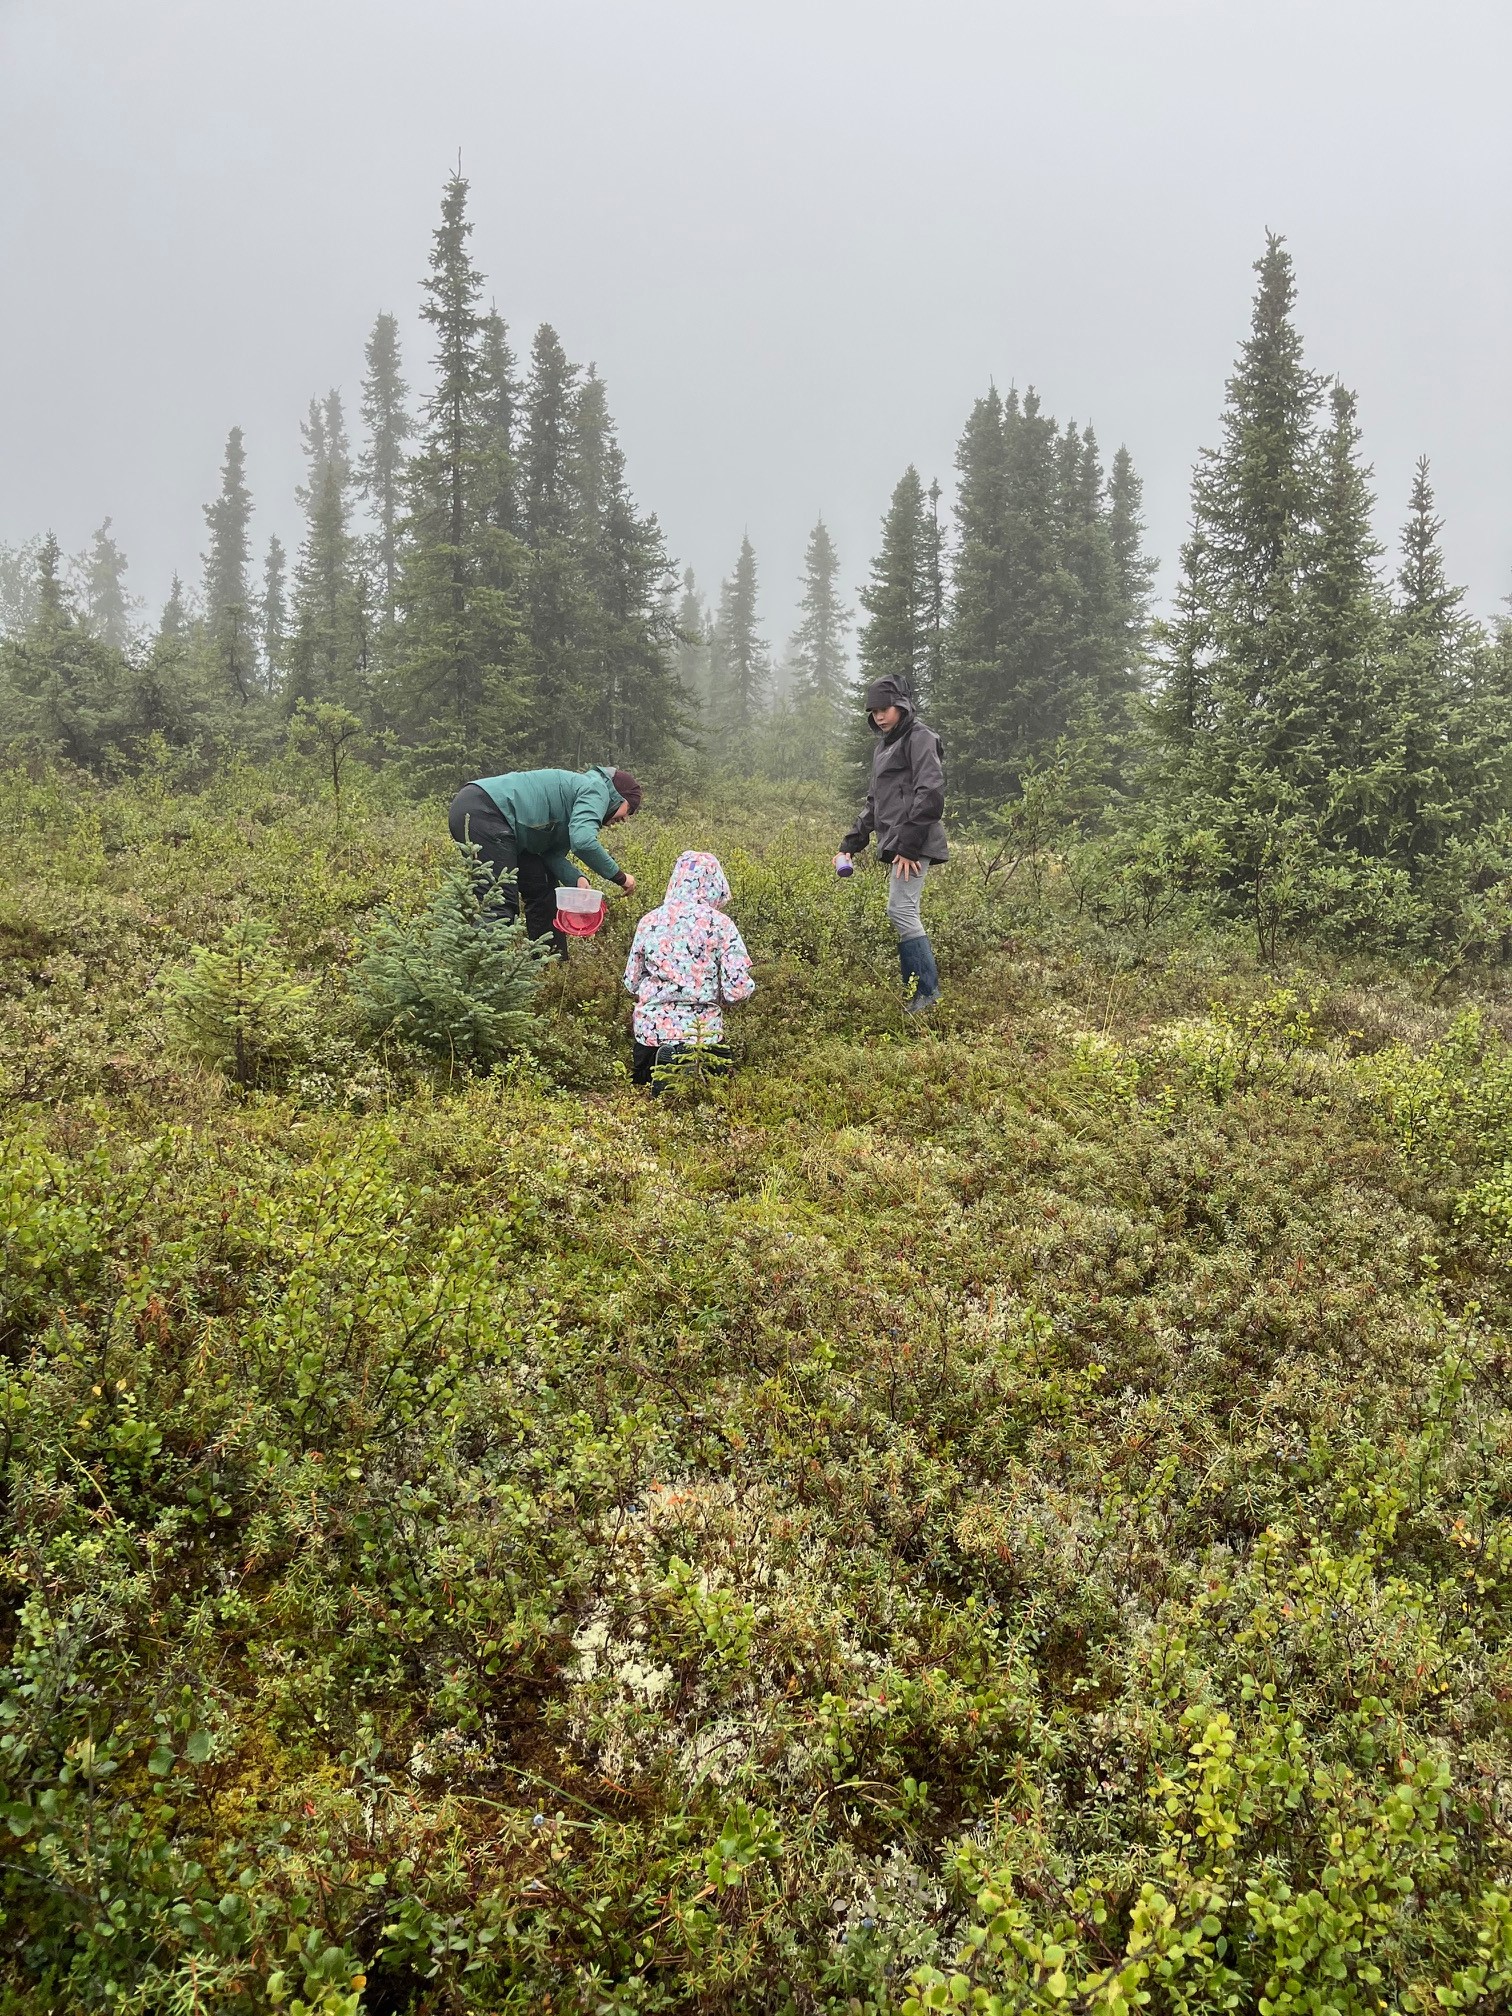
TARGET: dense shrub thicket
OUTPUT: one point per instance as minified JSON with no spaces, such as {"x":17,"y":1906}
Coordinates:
{"x":1011,"y":1515}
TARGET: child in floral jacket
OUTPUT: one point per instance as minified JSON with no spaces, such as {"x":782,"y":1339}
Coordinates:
{"x":687,"y":959}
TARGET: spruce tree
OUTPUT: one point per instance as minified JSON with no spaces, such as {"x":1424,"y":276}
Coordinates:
{"x":633,"y":703}
{"x":499,"y":398}
{"x":1253,"y":506}
{"x":898,"y":639}
{"x":1449,"y":699}
{"x":817,"y":649}
{"x":1337,"y":748}
{"x":1333,"y":726}
{"x":273,"y":616}
{"x":108,"y":607}
{"x":1043,"y":642}
{"x":166,"y":698}
{"x":692,"y":643}
{"x":1425,"y":604}
{"x":549,"y":443}
{"x":454,"y":686}
{"x":1008,"y":687}
{"x":1098,"y":669}
{"x":1040,"y":689}
{"x":980,"y":613}
{"x":1135,"y":569}
{"x":388,"y":423}
{"x":561,"y":460}
{"x":934,"y":579}
{"x":18,"y":586}
{"x":228,"y":610}
{"x":324,"y":652}
{"x":1239,"y":714}
{"x":174,"y":621}
{"x":62,"y":686}
{"x":742,"y":668}
{"x":442,"y":983}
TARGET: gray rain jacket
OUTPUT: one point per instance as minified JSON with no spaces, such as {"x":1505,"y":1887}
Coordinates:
{"x":905,"y":804}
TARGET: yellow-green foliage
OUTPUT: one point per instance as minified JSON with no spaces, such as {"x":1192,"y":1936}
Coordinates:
{"x":237,"y":1005}
{"x":1009,"y":1515}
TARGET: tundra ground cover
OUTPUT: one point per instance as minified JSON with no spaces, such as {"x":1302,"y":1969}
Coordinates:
{"x":1011,"y":1514}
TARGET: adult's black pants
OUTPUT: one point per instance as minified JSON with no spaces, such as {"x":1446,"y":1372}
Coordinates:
{"x":474,"y":816}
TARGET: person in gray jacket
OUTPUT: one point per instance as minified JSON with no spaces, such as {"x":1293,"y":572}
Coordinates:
{"x":904,"y":808}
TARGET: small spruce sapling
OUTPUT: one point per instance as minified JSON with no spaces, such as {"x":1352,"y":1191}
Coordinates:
{"x":237,"y":1006}
{"x":456,"y":982}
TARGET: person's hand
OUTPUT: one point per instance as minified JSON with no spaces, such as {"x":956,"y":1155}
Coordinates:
{"x":904,"y":867}
{"x":584,"y":883}
{"x":628,"y":885}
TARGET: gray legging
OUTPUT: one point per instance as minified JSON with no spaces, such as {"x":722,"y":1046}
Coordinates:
{"x":904,"y":894}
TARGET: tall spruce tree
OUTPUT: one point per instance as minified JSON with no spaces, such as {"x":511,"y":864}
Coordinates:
{"x":325,"y":649}
{"x":1336,"y":747}
{"x":1239,"y":714}
{"x":62,"y":686}
{"x":499,"y":399}
{"x":1037,"y":693}
{"x":18,"y":586}
{"x":1007,"y":687}
{"x":228,"y":608}
{"x":1135,"y":568}
{"x":1099,"y":667}
{"x":692,"y":643}
{"x":817,"y":650}
{"x":934,"y":578}
{"x":454,"y":689}
{"x":1043,"y":643}
{"x":742,"y":666}
{"x":981,"y":613}
{"x":1253,"y":506}
{"x":1449,"y":700}
{"x":1425,"y":605}
{"x":389,"y":425}
{"x":165,"y":697}
{"x":174,"y":621}
{"x":899,"y":637}
{"x":1331,"y":735}
{"x":561,"y":447}
{"x":108,"y":608}
{"x":273,"y":616}
{"x":634,"y":705}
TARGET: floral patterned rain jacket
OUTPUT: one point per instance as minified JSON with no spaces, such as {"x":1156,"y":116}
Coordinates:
{"x":687,"y":958}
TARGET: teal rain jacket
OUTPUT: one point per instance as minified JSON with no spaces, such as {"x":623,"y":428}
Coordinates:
{"x":555,"y":813}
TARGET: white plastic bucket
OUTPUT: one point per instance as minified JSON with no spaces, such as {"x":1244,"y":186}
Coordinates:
{"x":580,"y":911}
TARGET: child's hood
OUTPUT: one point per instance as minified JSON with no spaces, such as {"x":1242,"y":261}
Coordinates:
{"x":698,"y":878}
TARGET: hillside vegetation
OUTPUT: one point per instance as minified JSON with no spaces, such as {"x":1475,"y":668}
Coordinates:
{"x":1011,"y":1514}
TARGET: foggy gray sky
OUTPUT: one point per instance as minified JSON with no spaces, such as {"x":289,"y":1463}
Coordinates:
{"x":797,"y":239}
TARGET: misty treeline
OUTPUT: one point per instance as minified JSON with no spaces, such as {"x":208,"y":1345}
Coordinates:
{"x":1314,"y":739}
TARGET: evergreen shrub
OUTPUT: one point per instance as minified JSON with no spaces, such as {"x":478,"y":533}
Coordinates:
{"x":237,"y":1006}
{"x":457,"y":983}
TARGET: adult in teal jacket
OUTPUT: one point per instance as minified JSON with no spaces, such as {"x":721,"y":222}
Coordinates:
{"x":527,"y":823}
